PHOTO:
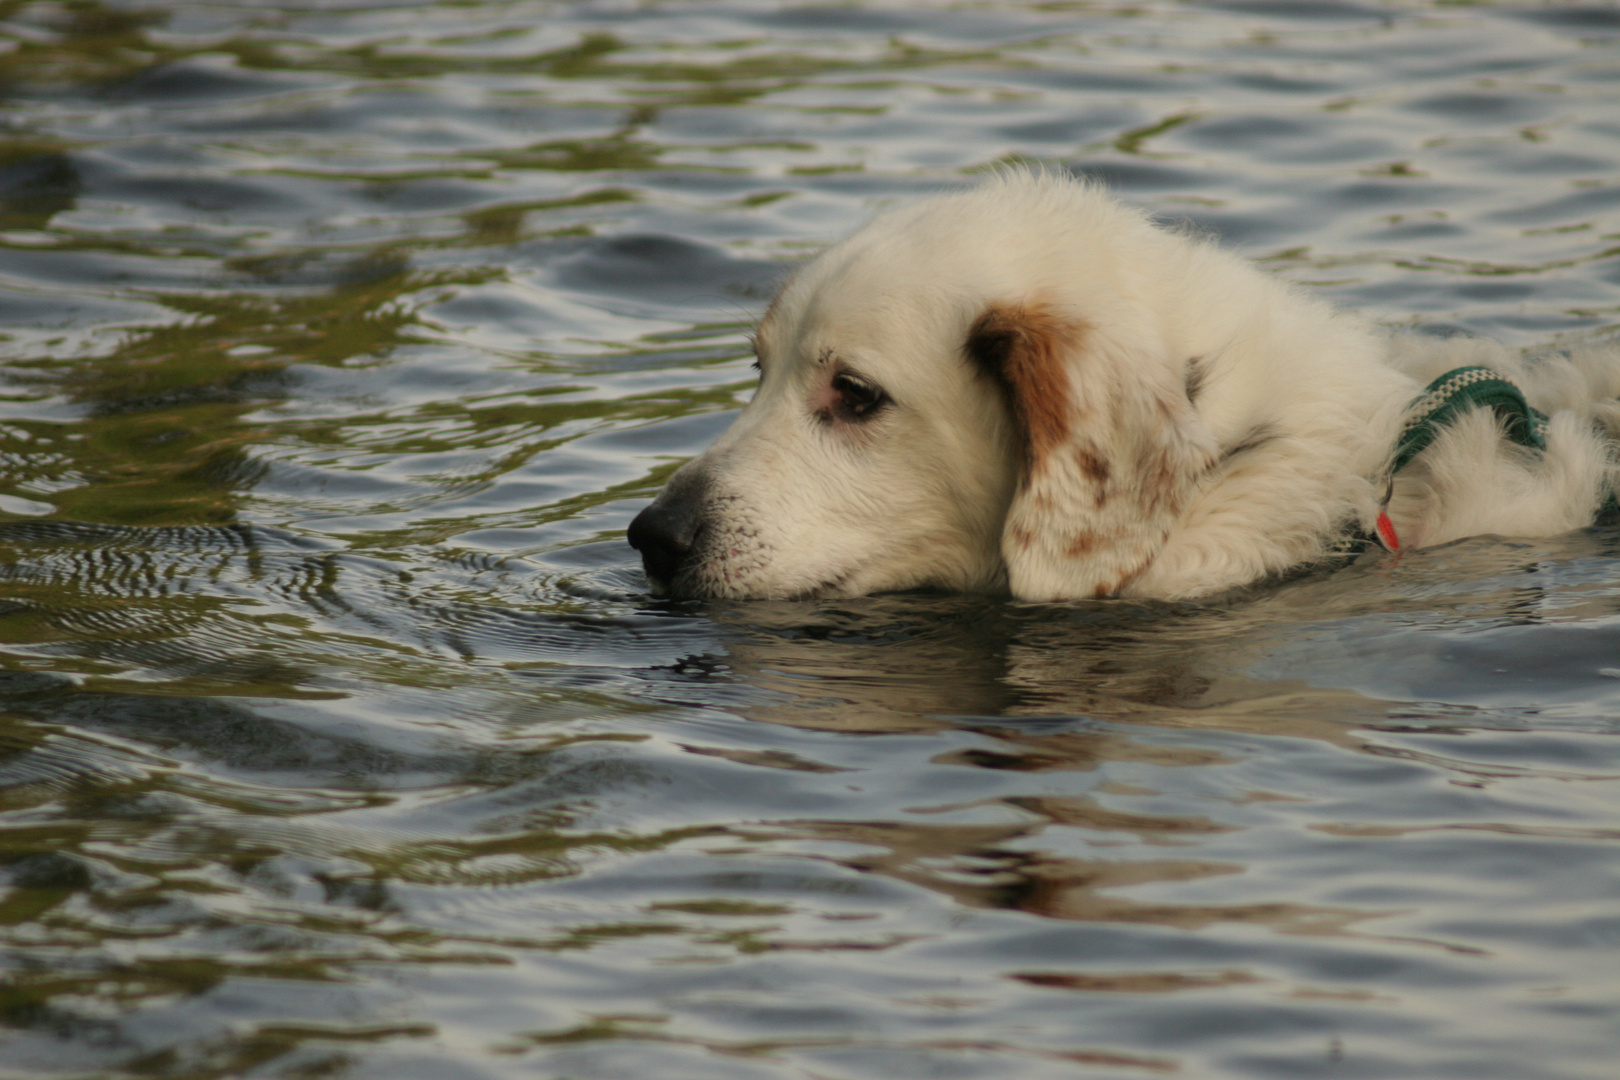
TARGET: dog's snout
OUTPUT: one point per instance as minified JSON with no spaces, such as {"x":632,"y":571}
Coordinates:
{"x":667,"y":531}
{"x":664,"y":534}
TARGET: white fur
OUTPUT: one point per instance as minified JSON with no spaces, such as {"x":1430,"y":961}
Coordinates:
{"x":1148,"y":492}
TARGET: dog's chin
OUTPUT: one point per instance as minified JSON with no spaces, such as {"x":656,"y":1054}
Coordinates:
{"x":695,"y":585}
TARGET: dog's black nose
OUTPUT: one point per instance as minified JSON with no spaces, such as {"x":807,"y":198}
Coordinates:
{"x":665,"y":534}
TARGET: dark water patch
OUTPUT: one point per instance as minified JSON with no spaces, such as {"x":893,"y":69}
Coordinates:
{"x":1097,"y":79}
{"x":1278,"y":84}
{"x":1477,"y":108}
{"x":1249,"y":130}
{"x":204,"y":79}
{"x":1572,"y":17}
{"x":35,"y":188}
{"x":1330,"y":11}
{"x":234,"y":738}
{"x":662,"y":269}
{"x":1584,"y":203}
{"x":1070,"y":129}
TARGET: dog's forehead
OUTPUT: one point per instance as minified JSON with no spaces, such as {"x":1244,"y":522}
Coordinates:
{"x":882,"y":337}
{"x":933,"y":267}
{"x":864,"y":301}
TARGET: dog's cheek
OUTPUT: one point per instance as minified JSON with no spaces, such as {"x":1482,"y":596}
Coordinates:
{"x":765,"y":537}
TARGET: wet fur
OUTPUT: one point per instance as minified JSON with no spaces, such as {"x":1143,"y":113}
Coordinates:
{"x":1080,"y":403}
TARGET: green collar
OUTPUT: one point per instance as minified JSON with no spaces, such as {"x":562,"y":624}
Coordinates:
{"x":1458,"y":391}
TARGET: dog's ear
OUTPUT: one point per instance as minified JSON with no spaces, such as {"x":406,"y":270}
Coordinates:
{"x":1110,"y":449}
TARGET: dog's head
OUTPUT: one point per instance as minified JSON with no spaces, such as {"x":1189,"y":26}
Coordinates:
{"x":972,"y":393}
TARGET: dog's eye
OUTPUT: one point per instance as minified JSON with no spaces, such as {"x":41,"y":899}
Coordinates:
{"x":857,"y":398}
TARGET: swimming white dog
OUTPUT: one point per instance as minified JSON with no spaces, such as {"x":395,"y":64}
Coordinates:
{"x":1029,"y":387}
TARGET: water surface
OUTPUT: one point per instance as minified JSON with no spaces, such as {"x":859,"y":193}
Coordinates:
{"x":341,"y":736}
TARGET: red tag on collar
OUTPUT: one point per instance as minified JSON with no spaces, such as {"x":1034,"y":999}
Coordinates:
{"x":1386,"y":531}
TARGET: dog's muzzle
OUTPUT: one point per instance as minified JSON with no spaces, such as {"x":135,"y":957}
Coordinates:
{"x":667,"y":532}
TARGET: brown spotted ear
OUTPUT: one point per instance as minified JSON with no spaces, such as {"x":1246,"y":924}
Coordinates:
{"x":1110,"y":449}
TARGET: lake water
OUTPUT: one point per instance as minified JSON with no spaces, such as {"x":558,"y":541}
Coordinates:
{"x":341,"y":737}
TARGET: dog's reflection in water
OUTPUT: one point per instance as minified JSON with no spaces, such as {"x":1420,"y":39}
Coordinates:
{"x":1035,"y":689}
